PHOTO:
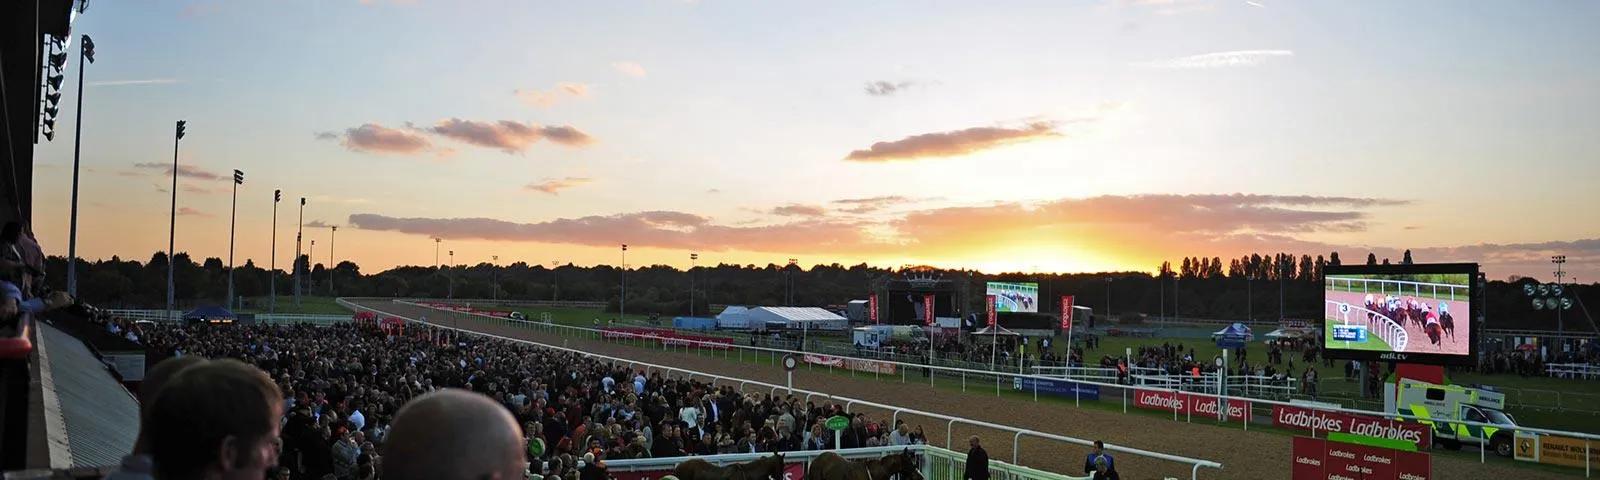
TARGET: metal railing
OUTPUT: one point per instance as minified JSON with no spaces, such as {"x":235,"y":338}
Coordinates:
{"x":1399,"y":287}
{"x":1194,"y":463}
{"x":1585,"y":371}
{"x":1391,"y":332}
{"x":937,"y":463}
{"x":998,"y":375}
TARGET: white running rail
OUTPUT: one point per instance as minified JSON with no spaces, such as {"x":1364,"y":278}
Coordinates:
{"x":1388,"y":329}
{"x":1402,"y":287}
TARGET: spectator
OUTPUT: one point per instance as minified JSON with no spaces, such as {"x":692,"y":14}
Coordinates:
{"x":344,"y":451}
{"x":453,"y":434}
{"x":977,"y":461}
{"x":217,"y":419}
{"x":1103,"y":470}
{"x":1098,"y":454}
{"x":900,"y":436}
{"x":137,"y":465}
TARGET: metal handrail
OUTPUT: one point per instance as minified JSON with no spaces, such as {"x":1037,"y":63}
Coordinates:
{"x":849,"y":402}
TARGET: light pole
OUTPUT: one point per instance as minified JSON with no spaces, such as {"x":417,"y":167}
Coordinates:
{"x":310,"y":254}
{"x":332,"y":231}
{"x":1249,"y":295}
{"x":436,"y":241}
{"x":299,"y":236}
{"x":233,"y":217}
{"x":494,"y":278}
{"x":788,"y":276}
{"x":85,"y":57}
{"x":272,"y":272}
{"x":1559,"y":260}
{"x":172,"y":228}
{"x":450,"y":291}
{"x":622,"y":305}
{"x":1108,"y":302}
{"x":1281,"y":273}
{"x":555,"y":281}
{"x":693,"y":259}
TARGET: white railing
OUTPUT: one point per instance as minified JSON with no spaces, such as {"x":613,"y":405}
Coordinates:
{"x":292,"y":318}
{"x":1388,"y":330}
{"x":1587,"y":437}
{"x":151,"y":315}
{"x":1586,"y":371}
{"x":1399,"y":287}
{"x":1017,"y":433}
{"x":937,"y":463}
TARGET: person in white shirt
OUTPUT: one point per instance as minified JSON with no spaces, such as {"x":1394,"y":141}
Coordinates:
{"x":691,"y":416}
{"x":900,"y":436}
{"x":358,"y":419}
{"x":638,"y":383}
{"x":607,"y":383}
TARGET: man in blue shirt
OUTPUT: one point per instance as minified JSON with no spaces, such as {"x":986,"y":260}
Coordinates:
{"x":1098,"y":451}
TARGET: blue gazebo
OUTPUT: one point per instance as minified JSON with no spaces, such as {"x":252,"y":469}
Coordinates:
{"x":211,"y":314}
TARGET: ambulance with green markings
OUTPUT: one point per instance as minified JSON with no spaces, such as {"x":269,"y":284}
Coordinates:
{"x":1442,"y":406}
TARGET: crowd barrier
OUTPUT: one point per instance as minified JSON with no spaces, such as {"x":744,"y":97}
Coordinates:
{"x":1587,"y":438}
{"x":1017,"y":433}
{"x":936,"y":464}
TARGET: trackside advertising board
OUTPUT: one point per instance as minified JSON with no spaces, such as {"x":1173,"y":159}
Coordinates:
{"x":791,"y":471}
{"x":1188,"y":404}
{"x":1060,"y":388}
{"x":1319,"y":459}
{"x":1313,"y":420}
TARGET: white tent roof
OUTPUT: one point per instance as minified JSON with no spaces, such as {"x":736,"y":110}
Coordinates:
{"x":1001,"y":331}
{"x":801,"y":314}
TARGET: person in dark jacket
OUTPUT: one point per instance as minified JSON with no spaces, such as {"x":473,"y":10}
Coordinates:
{"x":977,"y":461}
{"x":1103,"y":470}
{"x":1098,"y":453}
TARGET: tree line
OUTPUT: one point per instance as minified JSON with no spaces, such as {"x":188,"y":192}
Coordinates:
{"x":1259,"y":286}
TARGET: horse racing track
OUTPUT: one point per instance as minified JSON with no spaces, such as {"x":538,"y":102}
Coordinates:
{"x":1244,"y":454}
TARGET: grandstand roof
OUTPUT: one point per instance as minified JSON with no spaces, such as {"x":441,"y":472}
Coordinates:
{"x":90,"y":418}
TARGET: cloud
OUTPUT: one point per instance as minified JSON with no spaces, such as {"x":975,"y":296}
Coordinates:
{"x":318,"y":224}
{"x":375,"y":138}
{"x":147,"y":81}
{"x":661,"y":229}
{"x":190,"y":212}
{"x":186,"y":171}
{"x":548,"y":98}
{"x":798,"y":211}
{"x":507,"y":135}
{"x":869,"y":204}
{"x":713,"y":190}
{"x":629,"y":68}
{"x":192,"y":188}
{"x":953,"y":143}
{"x":1172,"y":7}
{"x":882,"y":88}
{"x":1236,"y":58}
{"x":554,"y":186}
{"x":1254,"y":4}
{"x":326,"y":136}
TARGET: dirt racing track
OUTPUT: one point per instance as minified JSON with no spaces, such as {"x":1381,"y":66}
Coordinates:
{"x":1244,"y":454}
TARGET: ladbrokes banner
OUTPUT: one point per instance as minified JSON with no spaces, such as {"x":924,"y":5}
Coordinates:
{"x":1310,"y":419}
{"x":791,"y":471}
{"x":1319,"y":459}
{"x":1189,"y":404}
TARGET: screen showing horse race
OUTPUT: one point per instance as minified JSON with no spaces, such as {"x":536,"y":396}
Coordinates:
{"x":1413,"y":313}
{"x":1014,"y":297}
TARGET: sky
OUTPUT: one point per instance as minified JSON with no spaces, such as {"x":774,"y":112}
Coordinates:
{"x":1003,"y":136}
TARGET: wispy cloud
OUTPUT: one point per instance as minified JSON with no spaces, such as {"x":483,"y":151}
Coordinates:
{"x":548,"y":98}
{"x":953,"y":143}
{"x":509,"y":136}
{"x":190,"y":212}
{"x":1172,"y":7}
{"x":375,"y":138}
{"x":882,"y":88}
{"x":1236,"y":58}
{"x":147,"y":81}
{"x":318,"y":224}
{"x":870,"y":204}
{"x":629,"y":68}
{"x":554,"y":186}
{"x":664,"y":229}
{"x":186,"y":171}
{"x":1254,"y":4}
{"x":798,"y":211}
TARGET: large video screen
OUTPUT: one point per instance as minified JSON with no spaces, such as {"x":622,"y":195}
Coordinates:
{"x":1014,"y":297}
{"x":1412,"y":313}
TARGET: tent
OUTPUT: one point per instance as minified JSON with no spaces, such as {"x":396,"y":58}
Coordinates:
{"x":734,"y":318}
{"x":796,"y":318}
{"x":211,"y":314}
{"x":1289,"y":333}
{"x":1235,"y":336}
{"x":996,"y":330}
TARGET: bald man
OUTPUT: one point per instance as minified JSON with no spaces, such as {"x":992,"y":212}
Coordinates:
{"x":453,"y":434}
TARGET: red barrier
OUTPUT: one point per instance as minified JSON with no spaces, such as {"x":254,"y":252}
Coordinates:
{"x":1189,"y":403}
{"x":1310,"y":419}
{"x":1315,"y":458}
{"x":791,"y":471}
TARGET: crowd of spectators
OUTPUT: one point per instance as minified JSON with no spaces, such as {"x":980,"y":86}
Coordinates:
{"x":343,"y":385}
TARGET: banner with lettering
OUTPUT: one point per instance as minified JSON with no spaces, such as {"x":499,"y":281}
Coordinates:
{"x":1189,"y":404}
{"x":791,"y":471}
{"x":872,"y":307}
{"x":927,"y":309}
{"x":1066,"y":312}
{"x":1319,"y":459}
{"x":1313,"y":420}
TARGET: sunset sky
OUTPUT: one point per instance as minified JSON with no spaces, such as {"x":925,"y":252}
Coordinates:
{"x":1049,"y":136}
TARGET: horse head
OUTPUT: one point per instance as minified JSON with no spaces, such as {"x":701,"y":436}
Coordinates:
{"x":908,"y":468}
{"x":772,"y":467}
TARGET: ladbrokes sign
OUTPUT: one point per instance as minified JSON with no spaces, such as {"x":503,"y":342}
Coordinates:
{"x":1325,"y":421}
{"x":1188,"y":404}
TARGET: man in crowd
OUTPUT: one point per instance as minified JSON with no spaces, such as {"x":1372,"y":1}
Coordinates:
{"x":215,"y":420}
{"x":1095,"y":455}
{"x":977,"y":461}
{"x":453,"y":435}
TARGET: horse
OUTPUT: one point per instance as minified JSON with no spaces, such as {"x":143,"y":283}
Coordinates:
{"x":1449,"y":324}
{"x":831,"y":466}
{"x":1432,"y":328}
{"x":759,"y":469}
